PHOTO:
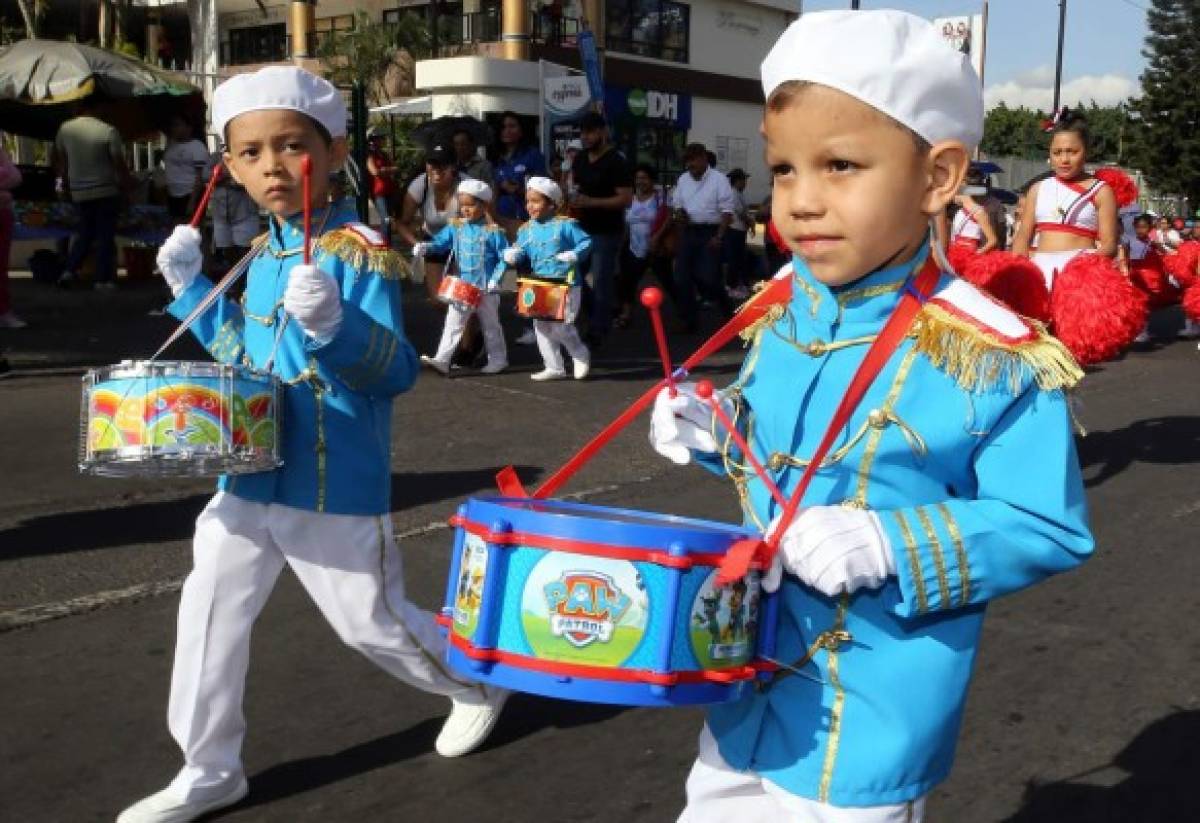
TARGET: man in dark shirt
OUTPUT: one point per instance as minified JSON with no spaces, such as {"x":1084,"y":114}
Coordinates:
{"x":601,"y":190}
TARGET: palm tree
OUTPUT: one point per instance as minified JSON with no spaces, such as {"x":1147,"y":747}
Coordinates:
{"x":379,"y":56}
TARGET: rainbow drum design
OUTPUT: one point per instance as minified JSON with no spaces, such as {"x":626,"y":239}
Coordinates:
{"x":455,"y":291}
{"x":177,"y":418}
{"x":602,"y":605}
{"x":542,"y":299}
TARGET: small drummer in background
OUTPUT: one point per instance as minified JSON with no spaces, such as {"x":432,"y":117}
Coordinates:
{"x":478,"y":246}
{"x":332,"y":332}
{"x":955,"y":480}
{"x":554,"y":246}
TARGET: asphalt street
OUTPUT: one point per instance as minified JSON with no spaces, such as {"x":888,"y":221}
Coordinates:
{"x":1085,"y":706}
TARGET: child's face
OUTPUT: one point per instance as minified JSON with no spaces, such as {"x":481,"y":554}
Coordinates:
{"x":265,"y":152}
{"x":469,"y":208}
{"x":1142,"y":229}
{"x":1067,"y":155}
{"x":850,"y":187}
{"x":538,"y":205}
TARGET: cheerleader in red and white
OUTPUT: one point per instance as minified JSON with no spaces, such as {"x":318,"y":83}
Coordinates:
{"x":971,"y":233}
{"x":1146,"y":272}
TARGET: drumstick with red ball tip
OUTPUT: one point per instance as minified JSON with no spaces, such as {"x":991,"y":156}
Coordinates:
{"x":652,"y":299}
{"x":306,"y":171}
{"x":704,"y":390}
{"x":212,"y":184}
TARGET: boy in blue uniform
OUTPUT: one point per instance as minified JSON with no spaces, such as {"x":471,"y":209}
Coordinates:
{"x":342,"y":358}
{"x":477,"y":245}
{"x":955,"y":480}
{"x":554,"y":247}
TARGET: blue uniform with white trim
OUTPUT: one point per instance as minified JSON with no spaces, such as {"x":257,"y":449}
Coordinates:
{"x":337,"y":400}
{"x":539,"y":240}
{"x":963,"y":447}
{"x":478,"y":248}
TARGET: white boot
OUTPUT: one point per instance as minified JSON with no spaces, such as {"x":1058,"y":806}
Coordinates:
{"x":166,"y":807}
{"x":473,"y":715}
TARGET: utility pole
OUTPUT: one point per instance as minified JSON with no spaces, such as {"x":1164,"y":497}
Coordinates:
{"x":1062,"y":27}
{"x":853,"y":5}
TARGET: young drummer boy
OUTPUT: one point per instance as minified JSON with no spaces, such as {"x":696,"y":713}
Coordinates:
{"x":478,"y":246}
{"x":341,"y":357}
{"x":554,"y":246}
{"x":955,"y":479}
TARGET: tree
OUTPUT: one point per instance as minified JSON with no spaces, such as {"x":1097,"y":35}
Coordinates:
{"x":380,"y":56}
{"x":1165,"y":136}
{"x":1018,"y":132}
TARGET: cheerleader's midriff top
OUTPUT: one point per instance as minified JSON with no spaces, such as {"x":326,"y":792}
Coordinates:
{"x":1068,"y":207}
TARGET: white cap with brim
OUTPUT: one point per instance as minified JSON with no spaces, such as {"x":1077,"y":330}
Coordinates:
{"x":893,"y":61}
{"x":476,"y":188}
{"x":279,"y":87}
{"x":547,"y":187}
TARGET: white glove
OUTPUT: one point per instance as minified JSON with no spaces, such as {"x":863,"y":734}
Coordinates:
{"x":567,"y":257}
{"x":681,"y":424}
{"x":833,"y":549}
{"x":420,"y":249}
{"x":180,"y":258}
{"x":512,"y":255}
{"x":312,"y":298}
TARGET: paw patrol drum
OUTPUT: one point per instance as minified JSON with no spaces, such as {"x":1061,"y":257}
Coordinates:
{"x":455,"y":291}
{"x":602,"y":605}
{"x":178,"y":419}
{"x":541,"y":299}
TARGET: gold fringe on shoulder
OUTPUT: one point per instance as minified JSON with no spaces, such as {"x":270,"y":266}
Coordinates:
{"x":770,"y":317}
{"x":353,"y":250}
{"x":979,"y":361}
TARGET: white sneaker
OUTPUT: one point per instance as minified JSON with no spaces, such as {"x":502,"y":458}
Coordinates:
{"x":471,"y":720}
{"x":1143,"y":337}
{"x":9,"y":320}
{"x":582,"y":368}
{"x":166,"y":807}
{"x":548,"y":374}
{"x":527,"y":337}
{"x":494,"y":368}
{"x":437,"y":365}
{"x":1190,"y":330}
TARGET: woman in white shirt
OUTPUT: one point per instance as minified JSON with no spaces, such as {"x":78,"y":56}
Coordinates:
{"x":183,"y":162}
{"x":429,"y":204}
{"x":646,"y":223}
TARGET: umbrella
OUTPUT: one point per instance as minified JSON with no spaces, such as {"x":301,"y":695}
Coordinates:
{"x":1008,"y":198}
{"x":439,"y":130}
{"x":985,"y":167}
{"x":41,"y":81}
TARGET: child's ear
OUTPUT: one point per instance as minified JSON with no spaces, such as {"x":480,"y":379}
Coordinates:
{"x":946,"y":166}
{"x":226,"y":159}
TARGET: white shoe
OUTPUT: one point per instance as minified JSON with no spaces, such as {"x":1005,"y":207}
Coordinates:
{"x":527,"y":337}
{"x":9,"y":320}
{"x":548,"y":374}
{"x":437,"y":365}
{"x":1190,"y":330}
{"x":582,"y":368}
{"x":166,"y":807}
{"x":471,"y":720}
{"x":494,"y":368}
{"x":1143,"y":337}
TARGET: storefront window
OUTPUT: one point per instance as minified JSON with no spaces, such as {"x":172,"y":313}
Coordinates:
{"x":258,"y":44}
{"x":651,"y":28}
{"x":325,"y":26}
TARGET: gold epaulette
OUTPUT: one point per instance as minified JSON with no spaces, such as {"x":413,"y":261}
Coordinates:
{"x":980,"y":358}
{"x":566,"y":217}
{"x":360,"y":253}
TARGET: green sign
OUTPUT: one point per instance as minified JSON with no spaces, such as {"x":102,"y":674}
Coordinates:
{"x":636,"y":102}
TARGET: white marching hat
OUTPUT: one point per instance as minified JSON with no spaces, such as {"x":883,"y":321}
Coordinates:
{"x":546,"y":186}
{"x":893,"y":61}
{"x":279,"y":87}
{"x":476,"y":188}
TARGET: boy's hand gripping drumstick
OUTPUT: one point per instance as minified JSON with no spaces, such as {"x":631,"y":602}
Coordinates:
{"x":203,"y":206}
{"x":652,"y":299}
{"x":704,"y":390}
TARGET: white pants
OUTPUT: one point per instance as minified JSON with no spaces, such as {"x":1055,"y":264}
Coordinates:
{"x":493,"y":334}
{"x":350,"y":567}
{"x":1052,"y":262}
{"x":718,"y":793}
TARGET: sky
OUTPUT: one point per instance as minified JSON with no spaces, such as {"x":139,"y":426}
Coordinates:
{"x":1102,"y":51}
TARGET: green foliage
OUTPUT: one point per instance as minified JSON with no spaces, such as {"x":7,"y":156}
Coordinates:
{"x":1018,"y":132}
{"x":372,"y":52}
{"x":1166,"y":134}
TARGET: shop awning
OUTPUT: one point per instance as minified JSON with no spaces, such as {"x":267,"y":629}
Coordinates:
{"x":409,"y":106}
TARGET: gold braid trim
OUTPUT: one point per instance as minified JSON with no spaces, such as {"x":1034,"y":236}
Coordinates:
{"x":356,"y":253}
{"x":981,"y":361}
{"x":770,"y":317}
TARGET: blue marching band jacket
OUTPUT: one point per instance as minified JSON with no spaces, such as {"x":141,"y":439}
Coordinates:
{"x":538,"y":241}
{"x":963,"y":447}
{"x":478,"y":247}
{"x":337,"y":396}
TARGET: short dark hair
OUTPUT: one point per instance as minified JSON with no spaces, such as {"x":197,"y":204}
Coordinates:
{"x":322,"y":132}
{"x":1074,"y":124}
{"x":591,"y":121}
{"x":1144,"y":218}
{"x":695,"y":150}
{"x":650,"y":171}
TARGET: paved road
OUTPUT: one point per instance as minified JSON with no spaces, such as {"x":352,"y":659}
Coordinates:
{"x":1085,"y":707}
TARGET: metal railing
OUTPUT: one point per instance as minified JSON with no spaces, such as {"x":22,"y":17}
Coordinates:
{"x":485,"y":27}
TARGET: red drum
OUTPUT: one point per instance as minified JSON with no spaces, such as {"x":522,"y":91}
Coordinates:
{"x":542,"y":299}
{"x":459,"y":293}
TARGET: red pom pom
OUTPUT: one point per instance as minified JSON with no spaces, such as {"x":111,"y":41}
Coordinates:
{"x":1013,"y":280}
{"x":960,"y":256}
{"x":1182,"y":264}
{"x":1096,"y":311}
{"x":1150,"y":277}
{"x":1191,"y":303}
{"x":1122,"y":185}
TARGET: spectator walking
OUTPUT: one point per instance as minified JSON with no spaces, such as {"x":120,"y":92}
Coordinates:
{"x":184,"y":161}
{"x":383,"y":182}
{"x":429,"y":204}
{"x":90,"y":161}
{"x":703,"y":206}
{"x":1164,"y":237}
{"x":647,"y":221}
{"x":466,"y":155}
{"x":10,"y":178}
{"x":602,"y":190}
{"x":733,"y":252}
{"x":515,"y":160}
{"x":235,"y":218}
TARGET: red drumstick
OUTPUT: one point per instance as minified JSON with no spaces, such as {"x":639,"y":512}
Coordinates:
{"x":212,"y":183}
{"x":704,"y":390}
{"x":306,"y":170}
{"x":652,"y":299}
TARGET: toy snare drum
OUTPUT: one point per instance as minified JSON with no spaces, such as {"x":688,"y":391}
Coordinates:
{"x":602,"y":605}
{"x":459,"y":293}
{"x":541,"y":299}
{"x":178,"y":419}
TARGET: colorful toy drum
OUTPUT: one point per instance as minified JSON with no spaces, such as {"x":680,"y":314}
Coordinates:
{"x":178,"y":419}
{"x":602,"y":605}
{"x":459,"y":293}
{"x":542,"y":299}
